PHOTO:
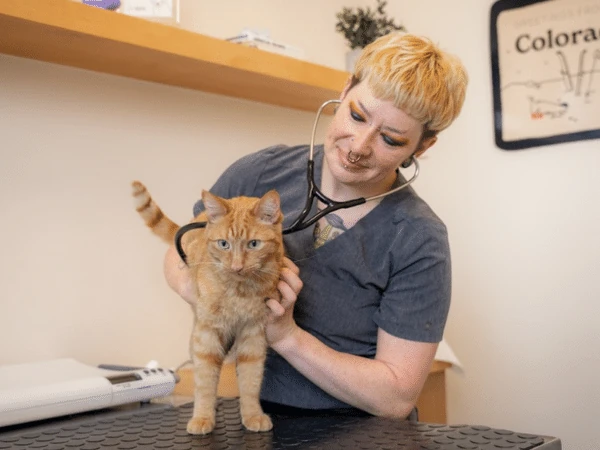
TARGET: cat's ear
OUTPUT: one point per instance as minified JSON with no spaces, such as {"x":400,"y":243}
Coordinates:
{"x":267,"y":209}
{"x":216,"y":207}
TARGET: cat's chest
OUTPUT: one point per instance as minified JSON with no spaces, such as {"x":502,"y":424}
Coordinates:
{"x":231,"y":310}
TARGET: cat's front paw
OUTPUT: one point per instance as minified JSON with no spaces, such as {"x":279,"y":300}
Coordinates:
{"x":258,"y":422}
{"x":200,"y":425}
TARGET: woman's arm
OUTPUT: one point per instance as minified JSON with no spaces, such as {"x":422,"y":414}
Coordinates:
{"x":178,"y":276}
{"x":387,"y":385}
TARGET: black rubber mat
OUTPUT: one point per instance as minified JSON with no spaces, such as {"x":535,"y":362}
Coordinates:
{"x":158,"y":426}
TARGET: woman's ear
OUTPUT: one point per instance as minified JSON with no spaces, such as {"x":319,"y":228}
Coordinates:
{"x":425,"y":144}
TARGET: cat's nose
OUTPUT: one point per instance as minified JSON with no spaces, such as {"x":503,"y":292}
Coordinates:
{"x":237,"y":266}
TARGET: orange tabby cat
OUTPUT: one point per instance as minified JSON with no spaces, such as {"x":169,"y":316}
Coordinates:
{"x":235,"y":262}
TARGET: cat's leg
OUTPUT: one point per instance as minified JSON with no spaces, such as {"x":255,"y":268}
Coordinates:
{"x":251,"y":348}
{"x":207,"y":356}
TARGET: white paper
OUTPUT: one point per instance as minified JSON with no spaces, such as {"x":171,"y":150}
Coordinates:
{"x":444,"y":353}
{"x":149,"y":8}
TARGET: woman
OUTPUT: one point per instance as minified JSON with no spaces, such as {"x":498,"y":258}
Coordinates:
{"x":365,"y":292}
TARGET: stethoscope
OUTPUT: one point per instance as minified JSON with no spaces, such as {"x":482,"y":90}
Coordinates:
{"x":301,"y":222}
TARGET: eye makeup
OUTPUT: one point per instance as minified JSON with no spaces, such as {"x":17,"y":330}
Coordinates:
{"x":358,"y":115}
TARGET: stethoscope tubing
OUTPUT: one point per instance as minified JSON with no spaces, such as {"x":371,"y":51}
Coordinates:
{"x":315,"y":192}
{"x":300,"y":223}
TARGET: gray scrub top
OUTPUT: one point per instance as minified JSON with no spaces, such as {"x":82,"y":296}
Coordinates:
{"x":391,"y":270}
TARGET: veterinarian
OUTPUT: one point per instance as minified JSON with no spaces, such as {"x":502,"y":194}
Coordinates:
{"x":366,"y":291}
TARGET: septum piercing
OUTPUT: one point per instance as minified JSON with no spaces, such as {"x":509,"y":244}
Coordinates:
{"x":353,"y":159}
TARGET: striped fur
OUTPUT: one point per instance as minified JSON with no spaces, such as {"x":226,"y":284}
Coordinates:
{"x":153,"y":216}
{"x":235,"y":263}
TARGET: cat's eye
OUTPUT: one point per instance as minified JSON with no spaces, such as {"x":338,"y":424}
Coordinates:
{"x":254,"y":244}
{"x":223,"y":244}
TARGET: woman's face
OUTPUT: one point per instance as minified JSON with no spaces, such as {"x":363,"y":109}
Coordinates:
{"x":381,"y":134}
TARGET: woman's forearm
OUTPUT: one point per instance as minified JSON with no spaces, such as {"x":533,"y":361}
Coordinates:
{"x":368,"y":384}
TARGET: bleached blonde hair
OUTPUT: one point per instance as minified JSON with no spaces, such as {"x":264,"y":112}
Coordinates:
{"x":417,"y":76}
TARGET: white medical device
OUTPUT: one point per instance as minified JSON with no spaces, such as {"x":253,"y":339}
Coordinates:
{"x":43,"y":390}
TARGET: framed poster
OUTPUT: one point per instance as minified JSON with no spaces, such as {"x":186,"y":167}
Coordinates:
{"x":545,"y":71}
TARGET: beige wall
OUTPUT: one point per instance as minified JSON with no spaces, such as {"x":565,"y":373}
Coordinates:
{"x":81,"y":277}
{"x":525,"y":318}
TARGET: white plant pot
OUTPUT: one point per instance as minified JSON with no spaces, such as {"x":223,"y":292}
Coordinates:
{"x":351,"y":58}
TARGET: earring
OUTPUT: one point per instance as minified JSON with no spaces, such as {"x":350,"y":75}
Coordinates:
{"x":407,"y":162}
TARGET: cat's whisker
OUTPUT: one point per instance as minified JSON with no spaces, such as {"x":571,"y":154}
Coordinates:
{"x":270,"y":272}
{"x":263,"y":273}
{"x":259,"y":268}
{"x":202,"y":262}
{"x":262,"y":276}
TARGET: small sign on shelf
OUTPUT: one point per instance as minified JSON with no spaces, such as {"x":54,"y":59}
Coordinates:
{"x":262,"y":41}
{"x":158,"y":10}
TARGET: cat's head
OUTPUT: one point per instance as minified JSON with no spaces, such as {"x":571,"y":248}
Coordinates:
{"x":244,"y":234}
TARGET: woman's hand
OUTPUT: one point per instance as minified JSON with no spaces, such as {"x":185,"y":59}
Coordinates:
{"x":280,"y":319}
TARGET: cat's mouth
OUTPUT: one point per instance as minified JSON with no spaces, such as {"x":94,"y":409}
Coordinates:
{"x":247,"y":273}
{"x":242,"y":274}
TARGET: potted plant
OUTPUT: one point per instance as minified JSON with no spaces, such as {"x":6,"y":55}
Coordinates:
{"x":362,"y":26}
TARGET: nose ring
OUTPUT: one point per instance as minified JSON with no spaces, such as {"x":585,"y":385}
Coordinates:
{"x":353,"y":159}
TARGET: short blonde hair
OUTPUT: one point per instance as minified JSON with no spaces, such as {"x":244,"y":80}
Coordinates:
{"x":421,"y":79}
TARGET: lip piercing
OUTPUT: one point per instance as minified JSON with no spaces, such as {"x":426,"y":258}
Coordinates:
{"x":353,"y":159}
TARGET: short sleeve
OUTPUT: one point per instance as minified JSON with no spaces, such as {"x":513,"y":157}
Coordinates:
{"x":415,"y":304}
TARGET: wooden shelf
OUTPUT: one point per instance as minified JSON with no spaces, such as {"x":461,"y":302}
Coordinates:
{"x":72,"y":34}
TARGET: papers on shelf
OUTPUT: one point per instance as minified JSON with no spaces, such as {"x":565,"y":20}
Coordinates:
{"x":261,"y":41}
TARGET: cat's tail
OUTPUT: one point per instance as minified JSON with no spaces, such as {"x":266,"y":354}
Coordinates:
{"x":155,"y":219}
